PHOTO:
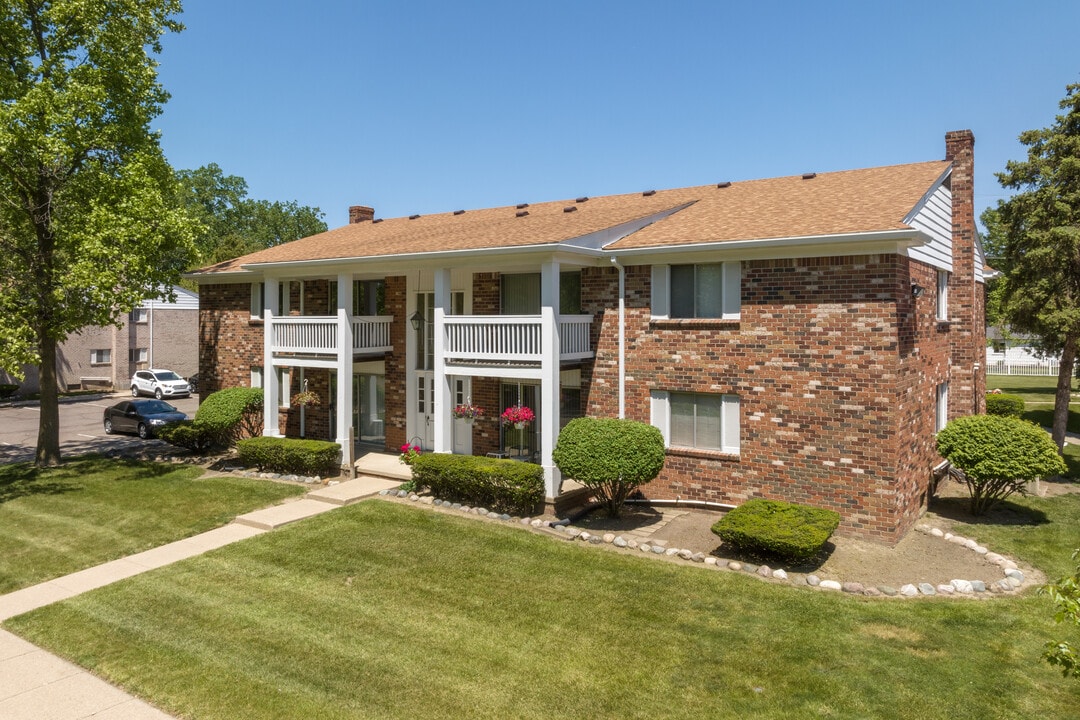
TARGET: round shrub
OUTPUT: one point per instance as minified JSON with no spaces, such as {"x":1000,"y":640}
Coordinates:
{"x":1004,"y":405}
{"x":610,"y":456}
{"x":773,"y":528}
{"x":998,"y":456}
{"x":231,"y":414}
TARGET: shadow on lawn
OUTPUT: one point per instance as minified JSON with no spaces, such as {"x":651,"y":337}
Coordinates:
{"x":25,"y":479}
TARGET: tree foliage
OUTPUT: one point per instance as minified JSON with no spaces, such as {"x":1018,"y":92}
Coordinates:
{"x":91,"y":221}
{"x":998,"y":456}
{"x":1065,"y":594}
{"x":610,"y":456}
{"x":235,"y":224}
{"x":1038,"y":237}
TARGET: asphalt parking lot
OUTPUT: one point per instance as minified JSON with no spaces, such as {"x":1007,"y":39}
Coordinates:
{"x":81,"y":428}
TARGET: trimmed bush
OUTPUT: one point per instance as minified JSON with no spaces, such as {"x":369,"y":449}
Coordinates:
{"x":610,"y":456}
{"x":772,"y":528}
{"x":998,"y":456}
{"x":187,"y":434}
{"x":504,"y":485}
{"x":1004,"y":405}
{"x":290,"y":456}
{"x":7,"y":390}
{"x":232,"y":414}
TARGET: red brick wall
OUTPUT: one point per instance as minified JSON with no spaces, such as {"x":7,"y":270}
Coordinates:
{"x":816,"y":361}
{"x":230,"y":342}
{"x":395,"y":364}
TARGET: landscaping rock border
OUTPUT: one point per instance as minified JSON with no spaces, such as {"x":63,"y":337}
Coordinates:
{"x":1012,"y":582}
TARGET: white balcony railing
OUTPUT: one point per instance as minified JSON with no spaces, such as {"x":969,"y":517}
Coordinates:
{"x":512,"y":338}
{"x":318,"y":335}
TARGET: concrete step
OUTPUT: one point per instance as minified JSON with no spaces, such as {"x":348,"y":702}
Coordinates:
{"x":274,"y":517}
{"x":350,"y":491}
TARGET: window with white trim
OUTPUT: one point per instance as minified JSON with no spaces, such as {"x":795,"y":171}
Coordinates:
{"x":140,"y":315}
{"x":943,"y":295}
{"x":137,"y":355}
{"x":101,"y":357}
{"x":704,"y":290}
{"x":698,"y":421}
{"x":282,"y":375}
{"x":942,"y":408}
{"x":258,"y":293}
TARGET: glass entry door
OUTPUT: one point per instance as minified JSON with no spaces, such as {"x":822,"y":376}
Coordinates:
{"x":369,"y":408}
{"x":521,"y":444}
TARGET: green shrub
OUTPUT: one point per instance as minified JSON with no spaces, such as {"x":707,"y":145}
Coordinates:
{"x":290,"y":456}
{"x":1004,"y":405}
{"x":610,"y":456}
{"x":778,"y":529}
{"x":187,"y":434}
{"x":504,"y":485}
{"x":998,"y":456}
{"x":231,"y":414}
{"x":7,"y":390}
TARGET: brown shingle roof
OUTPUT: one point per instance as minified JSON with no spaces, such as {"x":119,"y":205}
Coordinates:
{"x":853,"y":201}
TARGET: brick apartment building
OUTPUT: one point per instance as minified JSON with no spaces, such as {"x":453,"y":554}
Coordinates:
{"x":159,"y":333}
{"x":800,"y":338}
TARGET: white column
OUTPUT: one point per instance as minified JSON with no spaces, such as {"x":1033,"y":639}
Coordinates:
{"x":271,"y":402}
{"x":344,"y":363}
{"x":444,"y":438}
{"x":549,"y":374}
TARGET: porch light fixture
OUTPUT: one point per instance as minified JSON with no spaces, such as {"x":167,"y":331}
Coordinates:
{"x":917,"y":289}
{"x":416,"y":320}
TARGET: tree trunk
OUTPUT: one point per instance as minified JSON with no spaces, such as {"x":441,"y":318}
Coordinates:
{"x":48,"y":443}
{"x":1064,"y":392}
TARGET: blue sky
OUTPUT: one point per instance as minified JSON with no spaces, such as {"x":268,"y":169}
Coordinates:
{"x":424,"y":107}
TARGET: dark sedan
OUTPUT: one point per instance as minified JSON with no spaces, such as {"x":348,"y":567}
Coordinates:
{"x":140,"y":416}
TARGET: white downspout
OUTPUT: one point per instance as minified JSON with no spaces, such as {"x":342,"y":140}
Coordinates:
{"x":622,"y":337}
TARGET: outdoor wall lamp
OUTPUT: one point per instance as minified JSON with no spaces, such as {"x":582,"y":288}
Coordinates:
{"x":916,"y":289}
{"x":417,"y":320}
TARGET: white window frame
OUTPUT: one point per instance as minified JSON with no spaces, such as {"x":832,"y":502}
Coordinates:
{"x":660,"y":411}
{"x":137,"y":355}
{"x":941,"y":409}
{"x":731,"y":291}
{"x":943,"y":295}
{"x":283,"y":377}
{"x":140,"y":316}
{"x":101,"y":357}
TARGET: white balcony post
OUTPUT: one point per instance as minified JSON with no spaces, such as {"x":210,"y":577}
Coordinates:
{"x":269,"y":374}
{"x":549,"y":374}
{"x":343,"y":401}
{"x":444,"y":439}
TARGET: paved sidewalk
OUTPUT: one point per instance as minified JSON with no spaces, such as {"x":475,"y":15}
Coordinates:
{"x":36,"y":685}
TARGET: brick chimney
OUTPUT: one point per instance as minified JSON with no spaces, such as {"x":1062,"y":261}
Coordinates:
{"x":360,"y":213}
{"x":967,"y":311}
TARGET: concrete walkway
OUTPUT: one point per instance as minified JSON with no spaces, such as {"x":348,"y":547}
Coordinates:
{"x":36,"y":685}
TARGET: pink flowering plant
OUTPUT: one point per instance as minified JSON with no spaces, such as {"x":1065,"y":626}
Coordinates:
{"x":409,"y":452}
{"x":517,"y":414}
{"x":468,"y":411}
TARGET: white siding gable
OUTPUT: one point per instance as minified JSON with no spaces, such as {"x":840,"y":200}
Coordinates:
{"x":185,"y":300}
{"x":933,"y":215}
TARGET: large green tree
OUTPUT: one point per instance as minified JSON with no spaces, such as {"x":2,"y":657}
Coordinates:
{"x":91,"y":216}
{"x":235,"y":224}
{"x":1040,"y":243}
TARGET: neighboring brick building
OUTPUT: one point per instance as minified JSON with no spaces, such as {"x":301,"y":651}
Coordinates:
{"x":158,"y":334}
{"x":800,"y":338}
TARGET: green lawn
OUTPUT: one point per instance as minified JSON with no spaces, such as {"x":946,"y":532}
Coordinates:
{"x":379,"y":610}
{"x":1038,"y":394}
{"x":92,"y":510}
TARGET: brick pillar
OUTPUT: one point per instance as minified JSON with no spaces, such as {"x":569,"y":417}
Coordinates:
{"x":360,"y":213}
{"x":396,"y":411}
{"x":967,"y":331}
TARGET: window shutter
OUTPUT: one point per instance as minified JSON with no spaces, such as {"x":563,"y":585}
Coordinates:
{"x":661,"y":293}
{"x":732,"y":290}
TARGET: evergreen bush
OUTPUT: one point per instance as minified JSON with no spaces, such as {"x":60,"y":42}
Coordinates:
{"x":504,"y":485}
{"x":1004,"y":405}
{"x":290,"y":456}
{"x":772,"y":528}
{"x":610,"y":456}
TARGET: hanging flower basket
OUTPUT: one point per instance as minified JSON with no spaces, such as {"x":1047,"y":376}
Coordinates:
{"x":467,"y":411}
{"x":518,"y":416}
{"x":307,"y":398}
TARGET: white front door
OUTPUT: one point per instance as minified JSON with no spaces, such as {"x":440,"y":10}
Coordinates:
{"x":462,"y":429}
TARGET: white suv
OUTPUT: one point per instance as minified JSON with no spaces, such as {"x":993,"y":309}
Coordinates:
{"x":159,"y":383}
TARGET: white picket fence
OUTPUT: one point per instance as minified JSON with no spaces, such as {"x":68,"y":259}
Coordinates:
{"x":1042,"y":369}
